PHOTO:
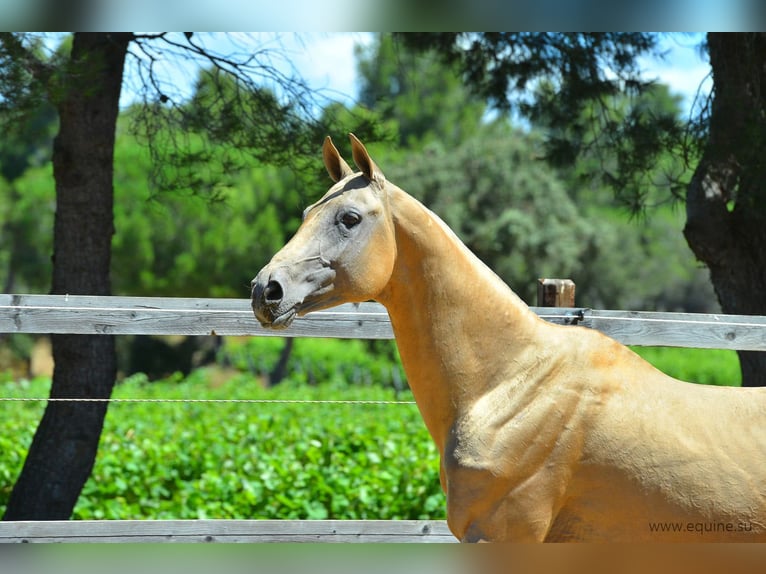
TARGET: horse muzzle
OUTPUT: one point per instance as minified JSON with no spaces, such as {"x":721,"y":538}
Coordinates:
{"x":268,"y":301}
{"x":277,"y":295}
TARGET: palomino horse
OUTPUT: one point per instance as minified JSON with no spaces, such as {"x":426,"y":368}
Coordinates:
{"x":546,"y":432}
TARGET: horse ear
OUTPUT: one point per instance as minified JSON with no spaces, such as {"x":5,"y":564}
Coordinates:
{"x":363,"y":160}
{"x":335,"y":164}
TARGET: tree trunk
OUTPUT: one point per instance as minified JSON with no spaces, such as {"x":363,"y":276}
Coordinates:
{"x":726,"y":200}
{"x":279,"y":372}
{"x":63,"y":450}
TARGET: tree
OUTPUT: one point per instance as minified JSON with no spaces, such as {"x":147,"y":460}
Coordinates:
{"x":724,"y":144}
{"x":26,"y":225}
{"x":485,"y":183}
{"x":84,"y":86}
{"x":26,"y":143}
{"x":87,"y":94}
{"x":625,"y":261}
{"x":726,"y":198}
{"x":509,"y":209}
{"x":422,"y":97}
{"x":185,"y":245}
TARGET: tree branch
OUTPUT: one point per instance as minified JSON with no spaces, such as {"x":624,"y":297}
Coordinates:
{"x":12,"y":48}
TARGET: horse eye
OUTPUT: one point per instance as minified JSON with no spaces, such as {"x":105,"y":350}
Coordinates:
{"x":350,"y":219}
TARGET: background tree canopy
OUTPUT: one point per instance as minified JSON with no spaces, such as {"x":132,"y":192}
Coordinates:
{"x":439,"y":140}
{"x":555,"y":78}
{"x":430,"y":92}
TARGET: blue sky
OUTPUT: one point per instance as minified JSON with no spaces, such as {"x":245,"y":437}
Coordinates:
{"x":684,"y":69}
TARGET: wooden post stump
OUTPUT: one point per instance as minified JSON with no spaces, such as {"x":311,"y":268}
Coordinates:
{"x":555,"y":293}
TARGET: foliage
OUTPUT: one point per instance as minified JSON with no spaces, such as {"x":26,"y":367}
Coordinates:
{"x":507,"y":207}
{"x":704,"y":366}
{"x":242,"y":106}
{"x":521,"y":218}
{"x":234,"y":460}
{"x":554,"y":78}
{"x":315,"y":361}
{"x":25,"y":106}
{"x":494,"y":187}
{"x":612,"y":276}
{"x":19,"y":421}
{"x":425,"y":100}
{"x":184,"y":245}
{"x":660,"y":182}
{"x":26,"y":222}
{"x":640,"y":264}
{"x":499,"y":64}
{"x":28,"y":123}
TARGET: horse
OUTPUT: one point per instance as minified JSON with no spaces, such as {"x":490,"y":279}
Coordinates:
{"x":545,"y":432}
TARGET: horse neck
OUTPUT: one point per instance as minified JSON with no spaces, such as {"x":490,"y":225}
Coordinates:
{"x":452,"y":316}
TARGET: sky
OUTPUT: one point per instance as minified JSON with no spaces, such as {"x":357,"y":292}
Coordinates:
{"x":326,"y":62}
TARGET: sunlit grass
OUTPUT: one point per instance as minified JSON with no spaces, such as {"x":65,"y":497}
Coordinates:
{"x":704,"y":366}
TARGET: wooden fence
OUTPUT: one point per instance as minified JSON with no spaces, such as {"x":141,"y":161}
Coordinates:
{"x":63,"y":314}
{"x":226,"y":531}
{"x":184,"y":316}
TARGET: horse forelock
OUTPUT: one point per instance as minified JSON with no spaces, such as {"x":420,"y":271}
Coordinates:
{"x":352,"y":182}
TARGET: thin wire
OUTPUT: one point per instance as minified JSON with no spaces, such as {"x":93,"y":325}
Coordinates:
{"x":256,"y":401}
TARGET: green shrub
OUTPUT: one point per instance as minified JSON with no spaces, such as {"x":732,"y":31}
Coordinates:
{"x":246,"y":460}
{"x":313,"y":361}
{"x":17,"y":427}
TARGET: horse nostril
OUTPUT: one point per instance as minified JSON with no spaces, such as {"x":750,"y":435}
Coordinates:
{"x":273,"y":292}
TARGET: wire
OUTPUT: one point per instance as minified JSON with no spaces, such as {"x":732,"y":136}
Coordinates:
{"x":252,"y":401}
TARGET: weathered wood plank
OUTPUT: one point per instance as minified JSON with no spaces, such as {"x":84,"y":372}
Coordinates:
{"x":188,"y":316}
{"x":647,"y":328}
{"x":738,"y":332}
{"x":226,"y":531}
{"x":180,"y":316}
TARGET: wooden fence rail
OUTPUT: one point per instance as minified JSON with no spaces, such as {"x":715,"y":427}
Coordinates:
{"x":186,"y":316}
{"x":226,"y":531}
{"x":63,"y":314}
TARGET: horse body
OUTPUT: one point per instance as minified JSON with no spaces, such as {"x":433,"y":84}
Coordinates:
{"x":545,"y":432}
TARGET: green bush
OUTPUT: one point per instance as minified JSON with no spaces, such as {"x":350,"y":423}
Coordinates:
{"x":18,"y":424}
{"x":246,"y":460}
{"x":313,"y":361}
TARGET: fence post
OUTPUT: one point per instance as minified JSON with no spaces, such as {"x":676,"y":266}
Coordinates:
{"x":555,"y":293}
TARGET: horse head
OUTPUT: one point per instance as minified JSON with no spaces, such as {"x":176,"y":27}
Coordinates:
{"x":344,"y":251}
